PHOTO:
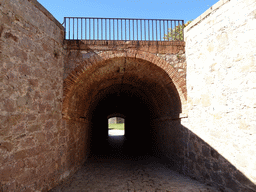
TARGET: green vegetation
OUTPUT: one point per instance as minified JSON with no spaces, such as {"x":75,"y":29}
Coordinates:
{"x":176,"y":33}
{"x":118,"y":126}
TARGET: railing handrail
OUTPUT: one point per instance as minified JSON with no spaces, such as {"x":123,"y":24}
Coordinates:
{"x":79,"y":28}
{"x":125,"y":18}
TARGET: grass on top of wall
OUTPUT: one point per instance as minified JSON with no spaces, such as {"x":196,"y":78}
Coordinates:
{"x":117,"y":126}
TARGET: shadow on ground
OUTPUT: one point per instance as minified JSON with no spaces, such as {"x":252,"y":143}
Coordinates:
{"x":114,"y":167}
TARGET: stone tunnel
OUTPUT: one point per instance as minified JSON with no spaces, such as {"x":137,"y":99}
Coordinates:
{"x":190,"y":103}
{"x":131,"y":82}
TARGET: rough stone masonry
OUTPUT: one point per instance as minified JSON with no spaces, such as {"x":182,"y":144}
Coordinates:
{"x":31,"y":78}
{"x":221,"y":88}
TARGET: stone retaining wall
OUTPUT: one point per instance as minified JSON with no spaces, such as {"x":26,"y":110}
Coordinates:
{"x":221,"y":85}
{"x":31,"y":86}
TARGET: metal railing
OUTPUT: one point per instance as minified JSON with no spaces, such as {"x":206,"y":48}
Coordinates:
{"x":85,"y":28}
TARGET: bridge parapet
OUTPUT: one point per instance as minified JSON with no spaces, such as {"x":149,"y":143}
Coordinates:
{"x":155,"y":47}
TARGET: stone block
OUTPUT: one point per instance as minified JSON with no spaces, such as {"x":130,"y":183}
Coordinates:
{"x":27,"y":142}
{"x":20,"y":155}
{"x":214,"y":154}
{"x":216,"y":178}
{"x":6,"y":146}
{"x":9,"y":105}
{"x":5,"y":173}
{"x":33,"y":128}
{"x":205,"y":100}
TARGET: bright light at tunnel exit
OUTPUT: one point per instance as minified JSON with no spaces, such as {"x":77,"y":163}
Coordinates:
{"x":116,"y":126}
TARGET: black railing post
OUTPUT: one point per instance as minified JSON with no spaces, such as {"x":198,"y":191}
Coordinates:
{"x":148,"y":31}
{"x":101,"y":28}
{"x":65,"y":28}
{"x":175,"y":33}
{"x":167,"y":30}
{"x":183,"y":30}
{"x":171,"y":33}
{"x":156,"y":29}
{"x":73,"y":28}
{"x":160,"y":32}
{"x":145,"y":31}
{"x":152,"y":30}
{"x":69,"y":28}
{"x":93,"y":31}
{"x":137,"y":30}
{"x":113,"y":29}
{"x":117,"y":30}
{"x":89,"y":29}
{"x":121,"y":29}
{"x":81,"y":28}
{"x":125,"y":30}
{"x":85,"y":29}
{"x":141,"y":30}
{"x":105,"y":29}
{"x":129,"y":29}
{"x":109,"y":29}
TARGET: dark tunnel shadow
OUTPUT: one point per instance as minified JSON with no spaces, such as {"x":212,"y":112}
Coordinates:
{"x":208,"y":166}
{"x":215,"y":169}
{"x":119,"y":147}
{"x":203,"y":163}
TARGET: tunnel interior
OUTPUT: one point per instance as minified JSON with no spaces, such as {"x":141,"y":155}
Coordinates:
{"x":123,"y":99}
{"x":137,"y":90}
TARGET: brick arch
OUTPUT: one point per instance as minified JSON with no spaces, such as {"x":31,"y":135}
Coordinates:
{"x":116,"y":115}
{"x":70,"y":83}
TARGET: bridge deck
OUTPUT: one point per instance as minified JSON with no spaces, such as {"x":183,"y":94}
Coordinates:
{"x":160,"y":47}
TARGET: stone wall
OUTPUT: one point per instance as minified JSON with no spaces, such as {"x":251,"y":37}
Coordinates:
{"x":221,"y":87}
{"x":31,"y":89}
{"x":115,"y":120}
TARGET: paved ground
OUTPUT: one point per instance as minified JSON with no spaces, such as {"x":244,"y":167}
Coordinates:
{"x":119,"y":173}
{"x":116,"y":132}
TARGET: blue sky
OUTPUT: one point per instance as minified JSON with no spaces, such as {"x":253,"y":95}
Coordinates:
{"x":144,"y":9}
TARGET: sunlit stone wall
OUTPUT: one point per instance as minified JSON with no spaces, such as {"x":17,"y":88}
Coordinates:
{"x":115,"y":120}
{"x":221,"y":85}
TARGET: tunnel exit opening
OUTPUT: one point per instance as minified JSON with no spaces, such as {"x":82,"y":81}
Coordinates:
{"x":116,"y":126}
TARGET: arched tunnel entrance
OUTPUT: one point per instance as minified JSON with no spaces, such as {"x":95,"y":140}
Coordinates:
{"x":155,"y":142}
{"x":140,"y":91}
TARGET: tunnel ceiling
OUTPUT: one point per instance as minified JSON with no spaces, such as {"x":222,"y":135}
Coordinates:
{"x":130,"y":83}
{"x":124,"y":99}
